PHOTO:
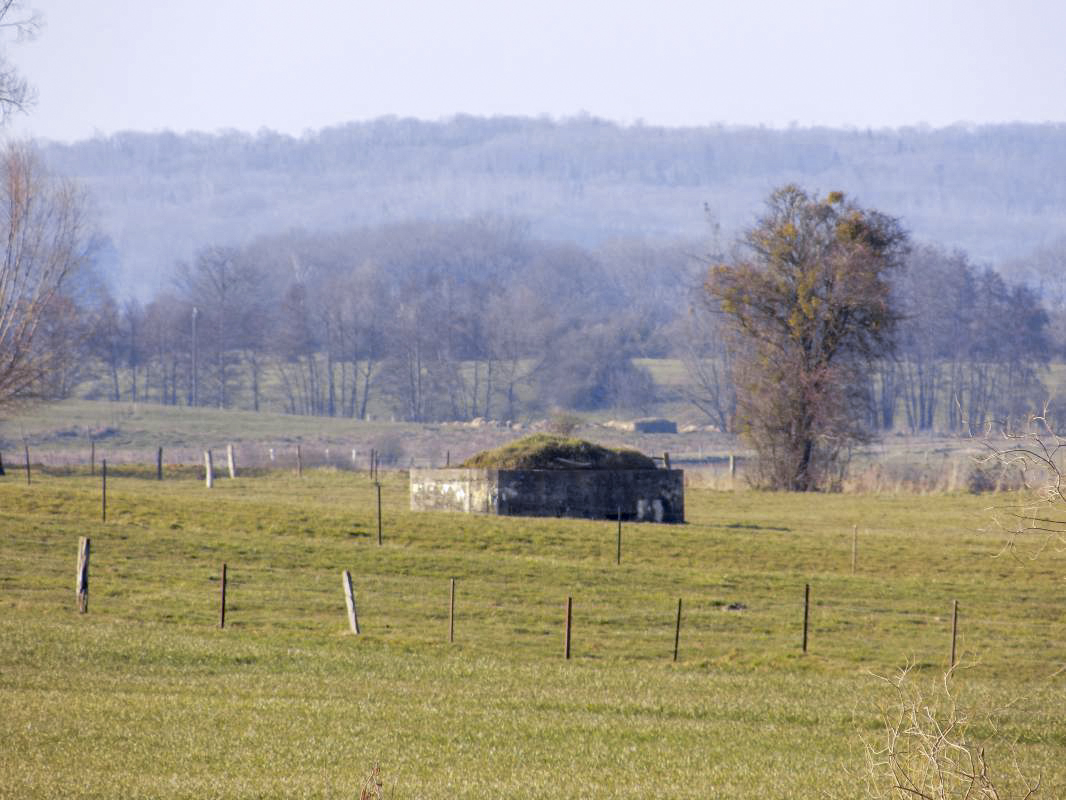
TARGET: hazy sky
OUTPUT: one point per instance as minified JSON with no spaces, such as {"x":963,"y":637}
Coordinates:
{"x":108,"y":65}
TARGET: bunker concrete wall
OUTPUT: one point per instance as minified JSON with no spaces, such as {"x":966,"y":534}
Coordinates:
{"x":471,"y":490}
{"x":642,"y":495}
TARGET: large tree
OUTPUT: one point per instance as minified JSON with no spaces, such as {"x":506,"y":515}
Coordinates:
{"x":808,"y":304}
{"x":46,"y":242}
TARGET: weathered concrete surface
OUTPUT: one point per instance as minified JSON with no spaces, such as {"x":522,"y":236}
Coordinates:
{"x":474,"y":491}
{"x":643,"y":495}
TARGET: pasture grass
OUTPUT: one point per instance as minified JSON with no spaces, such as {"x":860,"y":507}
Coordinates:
{"x":146,"y":697}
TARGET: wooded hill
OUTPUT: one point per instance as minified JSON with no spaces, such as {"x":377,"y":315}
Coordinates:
{"x":998,"y":192}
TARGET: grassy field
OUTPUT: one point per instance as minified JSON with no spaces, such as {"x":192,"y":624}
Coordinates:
{"x":58,"y":435}
{"x":146,"y":697}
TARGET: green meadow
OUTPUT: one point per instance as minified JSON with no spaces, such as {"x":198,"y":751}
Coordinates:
{"x":145,"y":696}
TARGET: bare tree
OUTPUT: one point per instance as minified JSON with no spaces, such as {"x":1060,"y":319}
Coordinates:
{"x":24,"y":23}
{"x":701,"y":344}
{"x":44,"y":228}
{"x":224,"y":287}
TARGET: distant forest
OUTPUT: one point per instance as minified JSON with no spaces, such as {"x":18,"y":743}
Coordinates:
{"x":507,"y":267}
{"x":996,"y":192}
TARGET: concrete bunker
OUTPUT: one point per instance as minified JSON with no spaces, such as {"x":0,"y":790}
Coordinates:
{"x":549,"y":476}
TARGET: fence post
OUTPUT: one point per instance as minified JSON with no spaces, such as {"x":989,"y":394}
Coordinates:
{"x":954,"y":629}
{"x":378,"y":485}
{"x":209,"y":469}
{"x":159,"y":464}
{"x":231,"y":461}
{"x":1,"y":463}
{"x":451,"y":613}
{"x":299,"y":462}
{"x":26,"y":445}
{"x":82,"y":583}
{"x":732,"y":465}
{"x":569,"y":618}
{"x":806,"y":613}
{"x":618,"y":550}
{"x":677,"y":630}
{"x":447,"y":458}
{"x":103,"y":491}
{"x":349,"y":599}
{"x":854,"y":547}
{"x":666,"y":460}
{"x":92,"y":456}
{"x":222,"y":599}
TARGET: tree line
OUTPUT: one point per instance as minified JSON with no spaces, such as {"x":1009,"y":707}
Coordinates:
{"x":422,"y":321}
{"x":968,"y":346}
{"x":995,"y":190}
{"x":454,"y":320}
{"x":432,"y":321}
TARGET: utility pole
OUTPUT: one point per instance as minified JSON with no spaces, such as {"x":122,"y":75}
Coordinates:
{"x":195,"y":359}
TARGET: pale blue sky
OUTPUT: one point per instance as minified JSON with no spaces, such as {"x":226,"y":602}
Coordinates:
{"x":108,"y":65}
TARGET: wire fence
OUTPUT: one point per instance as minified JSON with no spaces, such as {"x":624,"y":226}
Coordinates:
{"x":620,"y":622}
{"x":615,"y":621}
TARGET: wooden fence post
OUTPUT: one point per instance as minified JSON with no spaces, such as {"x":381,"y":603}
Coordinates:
{"x":854,"y":547}
{"x":451,"y":613}
{"x":378,"y":485}
{"x":618,"y":550}
{"x":209,"y":469}
{"x":92,"y":456}
{"x":159,"y":464}
{"x":666,"y":460}
{"x":677,"y":630}
{"x":231,"y":461}
{"x":954,"y":629}
{"x":569,"y":618}
{"x":103,"y":491}
{"x":732,"y":466}
{"x":349,"y":599}
{"x":1,"y":464}
{"x":806,"y":613}
{"x":447,"y":458}
{"x":299,"y":462}
{"x":222,"y":599}
{"x":82,"y":583}
{"x":26,"y":445}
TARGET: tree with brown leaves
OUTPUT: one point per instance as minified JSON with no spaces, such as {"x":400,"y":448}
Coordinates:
{"x":808,"y":304}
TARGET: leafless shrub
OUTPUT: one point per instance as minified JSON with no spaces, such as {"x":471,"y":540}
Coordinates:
{"x":563,"y":423}
{"x":390,"y":448}
{"x":985,"y":476}
{"x":1036,"y":454}
{"x":930,"y":748}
